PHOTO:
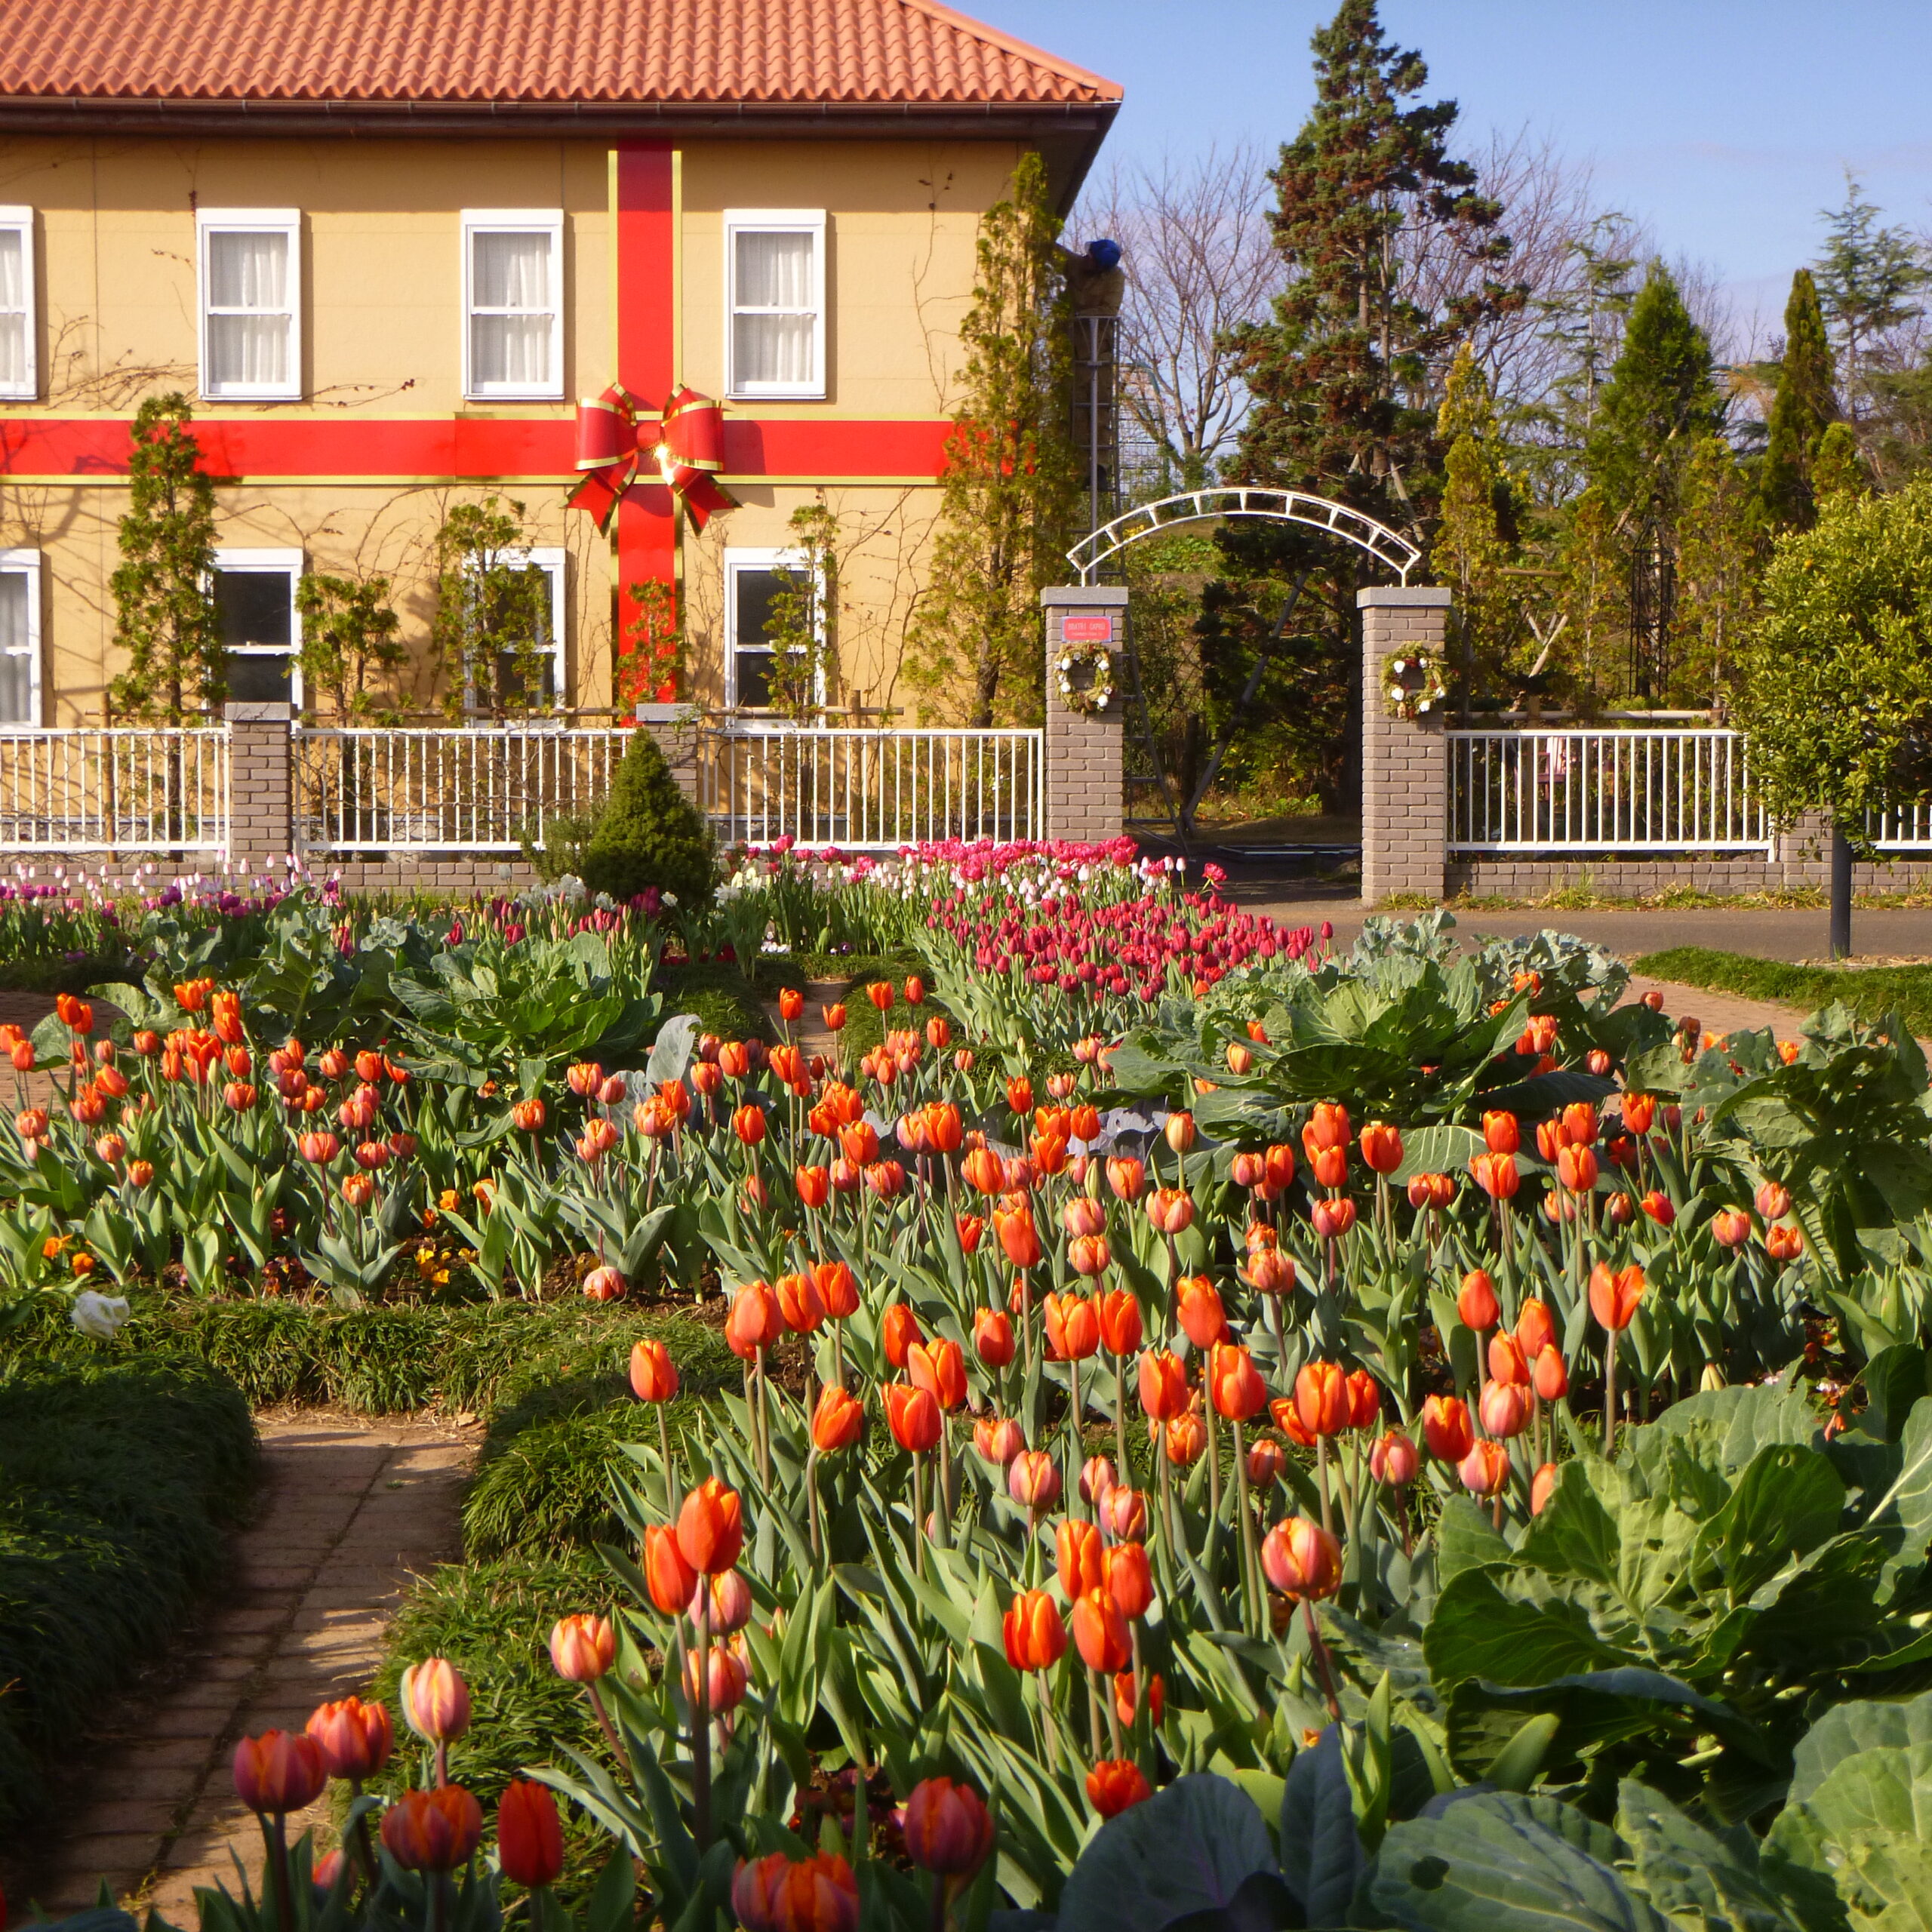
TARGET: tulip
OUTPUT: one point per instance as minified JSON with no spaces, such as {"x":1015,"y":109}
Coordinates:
{"x":1079,"y":1559}
{"x":1500,"y":1133}
{"x":913,"y":1416}
{"x":1126,"y":1704}
{"x":998,"y":1439}
{"x":1327,"y":1126}
{"x":1496,"y":1174}
{"x":1123,"y":1513}
{"x":1235,"y":1385}
{"x":1163,"y":1386}
{"x":858,"y":1143}
{"x":1119,"y":1317}
{"x":1576,"y":1169}
{"x":814,"y":1186}
{"x":1659,"y":1207}
{"x":946,"y":1828}
{"x":815,"y":1894}
{"x":724,"y":1681}
{"x":436,"y":1701}
{"x":1446,"y":1427}
{"x":1170,"y":1210}
{"x":1302,"y":1560}
{"x":528,"y":1116}
{"x":1773,"y":1202}
{"x":1272,"y":1272}
{"x":1088,"y":1255}
{"x":711,"y":1528}
{"x":1506,"y":1362}
{"x":1542,"y":1485}
{"x":899,"y":1329}
{"x":1613,"y":1297}
{"x":529,"y":1836}
{"x":1504,"y":1407}
{"x":1364,"y":1399}
{"x":992,"y":1338}
{"x":731,"y":1603}
{"x":1322,"y":1398}
{"x":1018,"y":1237}
{"x":1484,"y":1469}
{"x":433,"y":1831}
{"x":1731,"y":1227}
{"x":582,"y":1648}
{"x":354,"y":1738}
{"x":1248,"y":1170}
{"x":1127,"y":1579}
{"x":1381,"y":1147}
{"x":603,"y":1284}
{"x":1178,"y":1132}
{"x":1127,"y":1177}
{"x":755,"y":1321}
{"x":1100,"y":1633}
{"x":837,"y":1421}
{"x":279,"y":1772}
{"x":799,"y":1307}
{"x":837,"y":1289}
{"x":1536,"y":1327}
{"x":1476,"y":1305}
{"x":318,"y":1148}
{"x":1333,"y":1219}
{"x":1033,"y":1481}
{"x":1550,"y":1377}
{"x":673,"y":1581}
{"x":985,"y":1171}
{"x":1639,"y":1110}
{"x":653,"y":1374}
{"x":1034,"y":1636}
{"x":1330,"y":1166}
{"x":1781,"y":1243}
{"x":1198,"y":1308}
{"x":1393,"y":1459}
{"x":1115,"y":1785}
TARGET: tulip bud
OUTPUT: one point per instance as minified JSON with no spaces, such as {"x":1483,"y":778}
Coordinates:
{"x":1476,"y":1305}
{"x":279,"y":1772}
{"x":998,"y":1439}
{"x":530,"y":1835}
{"x":582,"y":1648}
{"x":1302,"y":1560}
{"x":1542,"y":1485}
{"x":946,"y":1828}
{"x":1033,"y":1481}
{"x":653,"y":1374}
{"x":1116,"y":1785}
{"x":1393,"y":1459}
{"x":433,"y":1831}
{"x":436,"y":1701}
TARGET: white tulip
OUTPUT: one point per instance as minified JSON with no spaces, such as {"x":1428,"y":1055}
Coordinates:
{"x":99,"y":1315}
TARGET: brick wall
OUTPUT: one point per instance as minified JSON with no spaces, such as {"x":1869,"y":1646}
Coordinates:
{"x":261,"y":830}
{"x":1405,"y":773}
{"x":1083,"y":754}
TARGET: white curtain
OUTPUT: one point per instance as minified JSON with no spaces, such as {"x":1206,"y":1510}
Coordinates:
{"x":13,"y":308}
{"x":511,"y":273}
{"x":248,"y":274}
{"x":774,"y":272}
{"x":16,"y":652}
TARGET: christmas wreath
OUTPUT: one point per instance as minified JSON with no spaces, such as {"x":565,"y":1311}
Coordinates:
{"x":1413,"y":685}
{"x":1092,"y":693}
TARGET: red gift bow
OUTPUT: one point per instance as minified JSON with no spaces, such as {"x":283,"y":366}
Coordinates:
{"x":618,"y":437}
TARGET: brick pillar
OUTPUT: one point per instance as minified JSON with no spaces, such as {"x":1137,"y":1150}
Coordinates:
{"x":261,"y":769}
{"x":1083,"y":755}
{"x":1405,"y":764}
{"x":674,"y":727}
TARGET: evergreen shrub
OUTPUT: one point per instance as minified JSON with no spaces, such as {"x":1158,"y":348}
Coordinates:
{"x":650,"y":834}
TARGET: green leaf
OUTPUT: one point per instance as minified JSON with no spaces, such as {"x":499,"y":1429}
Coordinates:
{"x":1894,"y":1379}
{"x":1466,"y":1539}
{"x":1846,"y":1729}
{"x":1868,"y":1827}
{"x":1478,"y":1632}
{"x":1190,"y":1848}
{"x":1321,"y":1853}
{"x":1697,"y":1877}
{"x":1503,"y":1863}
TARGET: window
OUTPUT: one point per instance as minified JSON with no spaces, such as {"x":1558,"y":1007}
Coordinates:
{"x":19,"y":375}
{"x":19,"y":638}
{"x":774,"y":272}
{"x":509,"y":695}
{"x":255,"y":608}
{"x":751,"y":582}
{"x":512,"y":266}
{"x":251,"y":285}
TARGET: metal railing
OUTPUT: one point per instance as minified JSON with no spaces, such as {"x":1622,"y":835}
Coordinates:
{"x":1905,"y":828}
{"x":870,"y":790}
{"x":1635,"y":789}
{"x":452,"y":789}
{"x":114,"y":789}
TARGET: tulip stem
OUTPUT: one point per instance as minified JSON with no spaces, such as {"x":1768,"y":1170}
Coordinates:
{"x":1609,"y":1394}
{"x":1120,"y":1417}
{"x":609,"y":1730}
{"x":1324,"y":1668}
{"x":1248,"y":1572}
{"x":701,"y":1726}
{"x":1322,"y":1480}
{"x":674,"y":1501}
{"x":811,"y":1499}
{"x":918,"y":1515}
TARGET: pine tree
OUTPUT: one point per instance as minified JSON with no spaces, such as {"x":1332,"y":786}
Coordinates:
{"x":1009,"y":502}
{"x":164,"y":617}
{"x":1867,"y":278}
{"x":1803,"y":406}
{"x":1592,"y":617}
{"x":649,"y":834}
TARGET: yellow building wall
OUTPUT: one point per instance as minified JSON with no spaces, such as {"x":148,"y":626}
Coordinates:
{"x":382,"y":329}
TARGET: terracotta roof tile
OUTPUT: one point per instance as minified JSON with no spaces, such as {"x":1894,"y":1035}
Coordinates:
{"x":855,"y":52}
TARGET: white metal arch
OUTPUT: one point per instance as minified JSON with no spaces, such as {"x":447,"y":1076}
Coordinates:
{"x":1281,"y":505}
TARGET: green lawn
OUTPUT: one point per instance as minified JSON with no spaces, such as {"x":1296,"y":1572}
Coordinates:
{"x":1871,"y":992}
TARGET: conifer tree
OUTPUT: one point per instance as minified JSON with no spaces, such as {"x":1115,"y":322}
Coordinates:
{"x":1838,"y":465}
{"x":164,"y":618}
{"x":1868,"y":277}
{"x":1470,"y":552}
{"x":1803,"y":406}
{"x":1010,"y":496}
{"x":1719,"y":540}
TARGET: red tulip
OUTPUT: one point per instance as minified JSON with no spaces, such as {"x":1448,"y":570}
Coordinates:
{"x":913,"y":1416}
{"x":898,"y":1329}
{"x":1550,"y":1376}
{"x":755,"y":1321}
{"x":1199,"y":1309}
{"x":433,"y":1831}
{"x":530,"y":1835}
{"x":1115,"y":1785}
{"x":992,"y":1337}
{"x":837,"y":1289}
{"x":1381,"y":1147}
{"x":1500,"y":1133}
{"x":1100,"y":1633}
{"x":673,"y":1581}
{"x":1127,"y":1579}
{"x":711,"y":1527}
{"x":946,"y":1828}
{"x":1542,"y":1485}
{"x":1034,"y":1636}
{"x":1322,"y":1398}
{"x":997,"y":1439}
{"x":1536,"y":1327}
{"x":1613,"y":1297}
{"x":1476,"y":1305}
{"x":1163,"y":1386}
{"x":653,"y":1374}
{"x":279,"y":1772}
{"x":354,"y":1738}
{"x":1235,"y":1386}
{"x":1302,"y":1560}
{"x":1079,"y":1557}
{"x":1496,"y":1174}
{"x":1119,"y":1314}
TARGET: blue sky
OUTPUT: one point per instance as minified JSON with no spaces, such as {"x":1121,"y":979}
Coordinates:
{"x":1724,"y":124}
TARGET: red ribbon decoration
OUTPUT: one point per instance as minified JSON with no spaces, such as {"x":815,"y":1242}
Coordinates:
{"x":620,"y":444}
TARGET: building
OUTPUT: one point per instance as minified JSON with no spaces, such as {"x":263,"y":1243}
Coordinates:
{"x":385,"y":245}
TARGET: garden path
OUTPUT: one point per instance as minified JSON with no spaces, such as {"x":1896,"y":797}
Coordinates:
{"x":350,"y":1508}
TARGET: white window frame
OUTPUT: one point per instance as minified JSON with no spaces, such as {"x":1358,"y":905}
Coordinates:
{"x":20,"y":221}
{"x":251,"y":221}
{"x":786,"y":221}
{"x":513,"y":221}
{"x":551,"y":559}
{"x":735,"y":562}
{"x":269,"y":562}
{"x":28,"y":564}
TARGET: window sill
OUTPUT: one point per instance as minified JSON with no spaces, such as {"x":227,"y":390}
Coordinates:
{"x":775,"y":394}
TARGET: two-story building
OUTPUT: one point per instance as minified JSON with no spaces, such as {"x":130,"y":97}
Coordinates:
{"x":387,"y":245}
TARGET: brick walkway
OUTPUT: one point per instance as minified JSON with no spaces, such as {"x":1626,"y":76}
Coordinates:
{"x":349,"y":1510}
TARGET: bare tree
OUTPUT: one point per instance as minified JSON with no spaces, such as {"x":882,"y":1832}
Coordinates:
{"x":1199,"y":259}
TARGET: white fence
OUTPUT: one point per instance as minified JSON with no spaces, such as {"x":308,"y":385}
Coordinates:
{"x":860,"y":789}
{"x":132,"y":788}
{"x":459,"y":790}
{"x":1640,"y":790}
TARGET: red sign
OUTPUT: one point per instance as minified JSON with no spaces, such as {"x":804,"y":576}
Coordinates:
{"x":1087,"y":630}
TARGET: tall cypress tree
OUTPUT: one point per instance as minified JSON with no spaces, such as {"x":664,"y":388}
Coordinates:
{"x":1803,"y":406}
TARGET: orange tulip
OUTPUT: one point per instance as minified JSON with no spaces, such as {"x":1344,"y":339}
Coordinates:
{"x":673,"y":1581}
{"x":1501,"y":1133}
{"x":838,"y":1289}
{"x":1322,"y":1398}
{"x":1613,"y":1297}
{"x":1381,"y":1147}
{"x":1576,"y":1169}
{"x":725,"y":1679}
{"x":1170,"y":1210}
{"x":1198,"y":1308}
{"x":1551,"y":1376}
{"x":997,"y":1439}
{"x":1100,"y":1633}
{"x":1116,"y":1785}
{"x":1302,"y":1560}
{"x":755,"y":1322}
{"x":1127,"y":1177}
{"x":1496,"y":1174}
{"x":582,"y":1648}
{"x":1271,"y":1272}
{"x":992,"y":1337}
{"x":1639,"y":1110}
{"x":1163,"y":1386}
{"x":1332,"y":1219}
{"x":985,"y":1170}
{"x":1079,"y":1557}
{"x":1731,"y":1227}
{"x":1018,"y":1237}
{"x":1364,"y":1394}
{"x":1235,"y":1386}
{"x":1506,"y":1363}
{"x":837,"y":1421}
{"x":814,"y":1186}
{"x":898,"y":1329}
{"x":1781,"y":1243}
{"x":748,"y":1124}
{"x":279,"y":1772}
{"x":1330,"y":1165}
{"x":1446,"y":1427}
{"x":1327,"y":1126}
{"x":1125,"y":1706}
{"x":711,"y":1527}
{"x":913,"y":1416}
{"x":1536,"y":1327}
{"x":1183,"y":1438}
{"x":1485,"y":1469}
{"x":1542,"y":1485}
{"x":938,"y":1367}
{"x":1393,"y":1459}
{"x":433,"y":1831}
{"x":1089,"y":1255}
{"x":1476,"y":1305}
{"x":1127,"y":1579}
{"x":354,"y":1738}
{"x":1036,"y":1637}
